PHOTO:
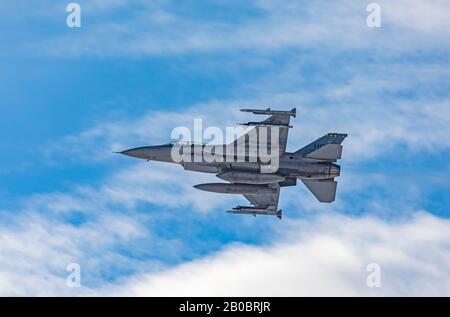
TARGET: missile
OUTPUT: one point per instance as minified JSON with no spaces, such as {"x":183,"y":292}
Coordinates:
{"x":255,"y":211}
{"x":262,"y":124}
{"x":244,"y":189}
{"x":250,"y":178}
{"x":268,"y":111}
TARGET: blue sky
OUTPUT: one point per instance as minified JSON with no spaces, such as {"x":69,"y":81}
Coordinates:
{"x":137,"y":69}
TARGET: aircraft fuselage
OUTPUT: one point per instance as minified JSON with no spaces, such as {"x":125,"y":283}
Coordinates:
{"x":289,"y":165}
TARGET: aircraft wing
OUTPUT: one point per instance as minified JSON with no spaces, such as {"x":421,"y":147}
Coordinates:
{"x":283,"y":121}
{"x":266,"y":201}
{"x":280,"y":120}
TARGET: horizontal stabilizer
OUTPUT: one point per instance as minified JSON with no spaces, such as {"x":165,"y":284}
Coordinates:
{"x":323,"y":190}
{"x":328,"y":152}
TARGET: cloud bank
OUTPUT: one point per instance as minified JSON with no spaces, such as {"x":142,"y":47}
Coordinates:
{"x":324,"y":257}
{"x":327,"y":255}
{"x":168,"y":27}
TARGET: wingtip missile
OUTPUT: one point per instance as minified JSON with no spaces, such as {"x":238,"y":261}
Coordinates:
{"x":263,"y":124}
{"x":268,"y":111}
{"x":254,"y":110}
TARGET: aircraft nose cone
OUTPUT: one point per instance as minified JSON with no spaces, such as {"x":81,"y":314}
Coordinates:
{"x":131,"y":152}
{"x":137,"y":152}
{"x":154,"y":153}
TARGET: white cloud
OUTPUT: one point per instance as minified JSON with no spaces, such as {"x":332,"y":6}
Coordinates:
{"x":428,"y":17}
{"x":36,"y":248}
{"x":327,"y":256}
{"x":165,"y":27}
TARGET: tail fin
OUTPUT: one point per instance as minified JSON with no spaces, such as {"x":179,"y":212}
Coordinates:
{"x":327,"y":148}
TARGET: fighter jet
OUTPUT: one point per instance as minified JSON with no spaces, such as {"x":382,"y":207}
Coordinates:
{"x":248,"y":172}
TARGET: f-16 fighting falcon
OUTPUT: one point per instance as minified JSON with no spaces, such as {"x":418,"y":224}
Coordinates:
{"x":247,"y":167}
